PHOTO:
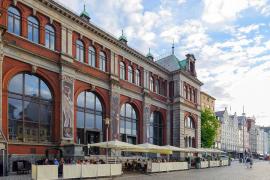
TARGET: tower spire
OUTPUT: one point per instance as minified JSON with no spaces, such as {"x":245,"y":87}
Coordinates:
{"x":173,"y":48}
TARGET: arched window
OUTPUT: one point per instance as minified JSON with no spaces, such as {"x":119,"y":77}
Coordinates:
{"x":33,"y":29}
{"x":128,"y":124}
{"x":122,"y":70}
{"x":130,"y":74}
{"x":92,"y":56}
{"x":89,"y":118}
{"x":155,"y":128}
{"x":49,"y":37}
{"x":102,"y":61}
{"x":157,"y":86}
{"x":30,"y":109}
{"x":189,"y":122}
{"x":79,"y":51}
{"x":14,"y":21}
{"x":151,"y":84}
{"x":137,"y":77}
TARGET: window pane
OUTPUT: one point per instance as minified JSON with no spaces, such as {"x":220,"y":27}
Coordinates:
{"x":16,"y":84}
{"x":14,"y":109}
{"x":123,"y":110}
{"x":31,"y":111}
{"x":128,"y":127}
{"x":90,"y":100}
{"x":45,"y":92}
{"x":30,"y":131}
{"x":89,"y":121}
{"x":122,"y":127}
{"x":133,"y":114}
{"x":128,"y":110}
{"x":80,"y":99}
{"x":98,"y":105}
{"x":31,"y":85}
{"x":44,"y":133}
{"x":80,"y":119}
{"x":99,"y":122}
{"x":45,"y":114}
{"x":134,"y":129}
{"x":36,"y":36}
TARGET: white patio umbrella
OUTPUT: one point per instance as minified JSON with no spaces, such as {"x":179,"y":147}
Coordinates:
{"x":155,"y":149}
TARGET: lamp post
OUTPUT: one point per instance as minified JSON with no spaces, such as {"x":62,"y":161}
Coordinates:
{"x":107,"y":124}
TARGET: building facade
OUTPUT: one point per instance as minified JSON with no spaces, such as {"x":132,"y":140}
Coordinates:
{"x":66,"y":83}
{"x":252,"y":134}
{"x":207,"y":101}
{"x":260,"y":140}
{"x":229,"y":131}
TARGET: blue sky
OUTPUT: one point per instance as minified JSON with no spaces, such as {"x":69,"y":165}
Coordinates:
{"x":229,"y":38}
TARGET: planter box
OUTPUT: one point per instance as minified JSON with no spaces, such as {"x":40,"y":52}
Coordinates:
{"x":72,"y":171}
{"x":45,"y":172}
{"x":167,"y":166}
{"x":214,"y":164}
{"x":224,"y":162}
{"x":204,"y":164}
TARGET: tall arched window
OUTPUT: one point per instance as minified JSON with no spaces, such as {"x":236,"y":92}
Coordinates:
{"x":92,"y":56}
{"x":49,"y":37}
{"x":14,"y":21}
{"x":151,"y":84}
{"x":128,"y":124}
{"x":79,"y":51}
{"x":155,"y":128}
{"x":189,"y":122}
{"x":30,"y":109}
{"x":33,"y":29}
{"x":89,"y":118}
{"x":130,"y":74}
{"x":157,"y":86}
{"x":137,"y":77}
{"x":102,"y":61}
{"x":122,"y":70}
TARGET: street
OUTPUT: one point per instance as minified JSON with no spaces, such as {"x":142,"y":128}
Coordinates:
{"x":260,"y":171}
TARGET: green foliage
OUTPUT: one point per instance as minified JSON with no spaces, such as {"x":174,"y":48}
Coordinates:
{"x":209,"y":127}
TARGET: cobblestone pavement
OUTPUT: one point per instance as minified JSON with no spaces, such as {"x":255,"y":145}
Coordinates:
{"x":260,"y":171}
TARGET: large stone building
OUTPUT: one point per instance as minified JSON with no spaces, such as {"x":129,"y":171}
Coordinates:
{"x":260,"y":140}
{"x":66,"y":83}
{"x":207,"y":101}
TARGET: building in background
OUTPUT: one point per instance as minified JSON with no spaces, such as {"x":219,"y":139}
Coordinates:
{"x":267,"y":146}
{"x":260,"y":140}
{"x":251,"y":121}
{"x":243,"y":142}
{"x":207,"y":101}
{"x":229,"y":131}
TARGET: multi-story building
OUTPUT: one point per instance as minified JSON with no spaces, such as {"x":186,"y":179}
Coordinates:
{"x":207,"y":101}
{"x":229,"y":131}
{"x":267,"y":146}
{"x":260,"y":140}
{"x":185,"y":92}
{"x":243,"y":136}
{"x":252,"y":134}
{"x":265,"y":143}
{"x":66,"y":83}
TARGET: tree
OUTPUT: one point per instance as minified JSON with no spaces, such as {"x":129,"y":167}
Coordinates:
{"x":209,"y":127}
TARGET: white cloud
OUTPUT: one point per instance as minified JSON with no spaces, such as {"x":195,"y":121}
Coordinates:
{"x":218,"y":11}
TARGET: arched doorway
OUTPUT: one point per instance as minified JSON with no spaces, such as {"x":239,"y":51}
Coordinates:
{"x":156,"y":129}
{"x":128,"y":124}
{"x":89,"y":119}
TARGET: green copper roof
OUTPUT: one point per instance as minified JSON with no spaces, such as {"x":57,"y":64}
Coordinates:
{"x":183,"y":64}
{"x":149,"y":55}
{"x":122,"y":37}
{"x":84,"y":13}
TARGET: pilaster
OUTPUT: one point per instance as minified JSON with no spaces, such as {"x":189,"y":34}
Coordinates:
{"x":2,"y":30}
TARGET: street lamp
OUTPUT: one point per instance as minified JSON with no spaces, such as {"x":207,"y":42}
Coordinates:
{"x":107,"y":124}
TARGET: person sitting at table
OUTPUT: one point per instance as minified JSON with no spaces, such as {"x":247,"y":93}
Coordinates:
{"x":46,"y":161}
